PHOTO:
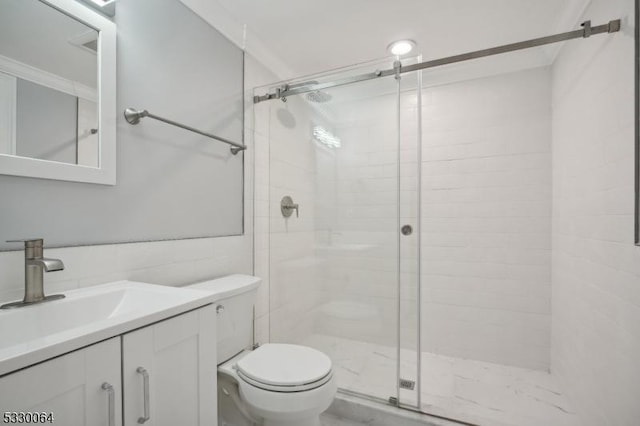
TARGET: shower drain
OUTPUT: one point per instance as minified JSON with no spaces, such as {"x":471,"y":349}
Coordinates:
{"x":407,"y":384}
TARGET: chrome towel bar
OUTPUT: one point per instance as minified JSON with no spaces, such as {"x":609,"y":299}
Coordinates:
{"x":133,"y":116}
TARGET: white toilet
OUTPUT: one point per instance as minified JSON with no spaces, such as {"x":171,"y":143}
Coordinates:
{"x":272,"y":385}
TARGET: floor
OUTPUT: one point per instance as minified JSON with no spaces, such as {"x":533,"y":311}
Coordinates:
{"x":332,"y":420}
{"x":472,"y":391}
{"x":350,"y":410}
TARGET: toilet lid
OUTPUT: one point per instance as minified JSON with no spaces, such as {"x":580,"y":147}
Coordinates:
{"x":284,"y":365}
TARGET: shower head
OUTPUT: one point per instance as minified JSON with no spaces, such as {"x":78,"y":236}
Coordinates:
{"x":318,"y":97}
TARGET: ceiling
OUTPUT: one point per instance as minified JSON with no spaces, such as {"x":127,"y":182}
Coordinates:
{"x":312,"y":36}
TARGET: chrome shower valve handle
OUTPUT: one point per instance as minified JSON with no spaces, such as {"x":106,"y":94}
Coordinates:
{"x":287,"y":206}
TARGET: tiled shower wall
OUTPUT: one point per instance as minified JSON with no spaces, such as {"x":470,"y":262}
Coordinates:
{"x":596,"y":267}
{"x":286,"y":247}
{"x":486,"y":206}
{"x":357,"y":238}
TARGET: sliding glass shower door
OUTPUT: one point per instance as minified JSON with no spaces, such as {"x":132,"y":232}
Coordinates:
{"x":342,"y":237}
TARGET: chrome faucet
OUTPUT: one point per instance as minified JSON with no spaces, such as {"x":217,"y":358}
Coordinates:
{"x":34,"y":267}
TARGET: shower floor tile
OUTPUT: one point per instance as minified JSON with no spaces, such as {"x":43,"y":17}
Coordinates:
{"x":473,"y":391}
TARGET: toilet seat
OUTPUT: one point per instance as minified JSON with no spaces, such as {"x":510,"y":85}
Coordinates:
{"x":284,"y":368}
{"x":286,"y":389}
{"x":293,"y":404}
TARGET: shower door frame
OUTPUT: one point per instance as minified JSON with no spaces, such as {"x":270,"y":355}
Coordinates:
{"x":402,"y":382}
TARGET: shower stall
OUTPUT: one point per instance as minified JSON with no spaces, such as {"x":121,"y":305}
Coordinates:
{"x":403,"y":227}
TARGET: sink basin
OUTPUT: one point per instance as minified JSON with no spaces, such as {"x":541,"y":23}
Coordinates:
{"x":34,"y":333}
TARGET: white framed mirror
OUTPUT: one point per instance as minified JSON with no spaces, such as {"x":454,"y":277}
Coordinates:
{"x":57,"y":91}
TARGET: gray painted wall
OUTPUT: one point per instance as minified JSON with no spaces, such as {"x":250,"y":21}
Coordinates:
{"x":171,"y":183}
{"x":46,"y":123}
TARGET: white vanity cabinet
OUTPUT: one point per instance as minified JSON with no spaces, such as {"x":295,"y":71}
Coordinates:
{"x":69,"y":388}
{"x":162,"y":374}
{"x":169,"y":371}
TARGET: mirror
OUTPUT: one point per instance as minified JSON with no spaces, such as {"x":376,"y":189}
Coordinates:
{"x":57,"y":91}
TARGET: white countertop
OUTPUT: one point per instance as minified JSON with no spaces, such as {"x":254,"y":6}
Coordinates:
{"x":32,"y":334}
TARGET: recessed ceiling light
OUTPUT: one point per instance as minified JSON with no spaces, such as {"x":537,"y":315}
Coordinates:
{"x":401,"y":47}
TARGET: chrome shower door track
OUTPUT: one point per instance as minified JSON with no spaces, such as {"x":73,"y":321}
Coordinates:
{"x":586,"y":32}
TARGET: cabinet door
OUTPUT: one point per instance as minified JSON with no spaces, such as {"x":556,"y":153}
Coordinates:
{"x":178,"y":358}
{"x":69,"y":387}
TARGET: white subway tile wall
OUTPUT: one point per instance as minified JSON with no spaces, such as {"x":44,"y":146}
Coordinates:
{"x":295,"y":270}
{"x":257,"y":124}
{"x":486,"y":219}
{"x":596,"y":268}
{"x":171,"y":263}
{"x":357,"y":203}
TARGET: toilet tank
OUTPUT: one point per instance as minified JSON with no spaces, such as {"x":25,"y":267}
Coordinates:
{"x":235,"y":312}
